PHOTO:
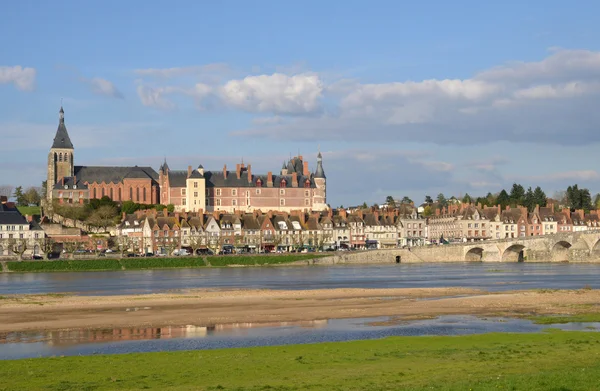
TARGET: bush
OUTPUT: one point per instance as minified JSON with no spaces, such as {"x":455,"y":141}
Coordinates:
{"x":161,"y":263}
{"x":249,"y":260}
{"x":95,"y":264}
{"x":39,"y":266}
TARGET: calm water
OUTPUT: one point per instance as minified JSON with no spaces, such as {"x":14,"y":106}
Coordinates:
{"x":497,"y":276}
{"x":136,"y":340}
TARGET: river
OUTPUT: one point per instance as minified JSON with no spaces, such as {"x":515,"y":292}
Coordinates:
{"x":494,"y":277}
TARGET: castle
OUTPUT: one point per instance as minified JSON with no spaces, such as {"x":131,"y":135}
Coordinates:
{"x":191,"y":190}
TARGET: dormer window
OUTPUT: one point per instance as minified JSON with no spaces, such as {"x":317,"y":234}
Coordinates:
{"x":283,"y":183}
{"x":127,"y":223}
{"x":258,"y":184}
{"x":136,"y":223}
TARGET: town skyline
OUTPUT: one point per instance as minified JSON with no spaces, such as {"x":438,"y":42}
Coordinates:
{"x":513,"y":103}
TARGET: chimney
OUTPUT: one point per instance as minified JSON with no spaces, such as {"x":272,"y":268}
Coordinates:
{"x":330,"y":212}
{"x":343,"y":213}
{"x":189,"y":171}
{"x":479,"y":205}
{"x":305,"y":171}
{"x":249,"y":173}
{"x":29,"y":218}
{"x":581,"y":213}
{"x":566,"y":211}
{"x":269,"y":179}
{"x":165,"y":212}
{"x":3,"y":199}
{"x":507,"y":207}
{"x":537,"y":209}
{"x":225,"y":171}
{"x":295,"y":179}
{"x":552,"y":207}
{"x":302,"y":217}
{"x":437,"y":212}
{"x":499,"y":209}
{"x":238,"y":170}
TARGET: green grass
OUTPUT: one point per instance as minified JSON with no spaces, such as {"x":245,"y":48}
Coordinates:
{"x":152,"y":263}
{"x":527,"y":362}
{"x":160,"y":263}
{"x":29,"y":210}
{"x":260,"y":259}
{"x":580,"y":318}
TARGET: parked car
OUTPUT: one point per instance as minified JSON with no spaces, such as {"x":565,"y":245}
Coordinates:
{"x":149,"y":254}
{"x":37,"y":257}
{"x":204,"y":251}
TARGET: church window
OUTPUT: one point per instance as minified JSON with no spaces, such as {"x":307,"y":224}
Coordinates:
{"x":119,"y":193}
{"x":137,"y":193}
{"x":131,"y":193}
{"x":144,"y":194}
{"x":66,"y":157}
{"x":60,"y":157}
{"x":95,"y":193}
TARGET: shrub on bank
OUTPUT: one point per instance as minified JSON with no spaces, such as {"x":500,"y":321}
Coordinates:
{"x":160,"y":263}
{"x":39,"y":266}
{"x":95,"y":264}
{"x":250,"y":260}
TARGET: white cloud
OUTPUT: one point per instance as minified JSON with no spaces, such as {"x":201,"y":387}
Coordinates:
{"x":104,"y":87}
{"x":22,"y":78}
{"x":169,"y":73}
{"x":154,"y":97}
{"x":276,"y":93}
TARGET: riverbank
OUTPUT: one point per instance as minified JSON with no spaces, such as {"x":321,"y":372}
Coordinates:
{"x":208,"y":307}
{"x":477,"y":362}
{"x":108,"y":264}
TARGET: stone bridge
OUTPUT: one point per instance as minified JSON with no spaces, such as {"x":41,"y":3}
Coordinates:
{"x":561,"y":247}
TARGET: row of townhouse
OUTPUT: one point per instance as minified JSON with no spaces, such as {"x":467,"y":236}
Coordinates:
{"x":162,"y":232}
{"x":467,"y":222}
{"x":19,"y":235}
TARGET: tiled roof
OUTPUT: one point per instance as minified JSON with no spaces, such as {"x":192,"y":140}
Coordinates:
{"x":61,"y":139}
{"x":101,"y":174}
{"x":69,"y":182}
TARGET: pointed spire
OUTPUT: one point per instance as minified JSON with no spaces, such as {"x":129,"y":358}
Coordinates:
{"x":319,"y":172}
{"x":62,"y":139}
{"x":165,"y":166}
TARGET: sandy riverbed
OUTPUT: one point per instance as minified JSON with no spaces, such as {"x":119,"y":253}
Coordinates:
{"x":209,"y":307}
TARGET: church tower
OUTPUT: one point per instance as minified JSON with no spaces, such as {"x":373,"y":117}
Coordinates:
{"x":320,"y":197}
{"x":60,"y":158}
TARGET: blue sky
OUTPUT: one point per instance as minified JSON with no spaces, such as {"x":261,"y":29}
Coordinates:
{"x":402,"y":98}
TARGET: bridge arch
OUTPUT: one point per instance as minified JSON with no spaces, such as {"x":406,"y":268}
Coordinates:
{"x":474,"y":255}
{"x":514,"y":253}
{"x":595,"y":251}
{"x":560,"y":251}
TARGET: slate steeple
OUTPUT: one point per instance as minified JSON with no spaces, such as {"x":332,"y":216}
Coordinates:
{"x":62,"y":140}
{"x":319,"y":172}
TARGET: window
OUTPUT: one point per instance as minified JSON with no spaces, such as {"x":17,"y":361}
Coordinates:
{"x":144,"y":195}
{"x":130,"y":193}
{"x":282,"y":202}
{"x":306,"y":193}
{"x":183,"y":201}
{"x":281,"y":191}
{"x":234,"y":192}
{"x":476,"y":225}
{"x":258,"y":191}
{"x":234,"y":202}
{"x":195,"y":184}
{"x":218,"y":202}
{"x":60,"y":157}
{"x":219,"y":192}
{"x":469,"y":225}
{"x":95,"y":193}
{"x":183,"y":191}
{"x":195,"y":194}
{"x":306,"y":202}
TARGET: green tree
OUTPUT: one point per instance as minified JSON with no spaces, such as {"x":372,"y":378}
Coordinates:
{"x":20,"y":196}
{"x":586,"y":200}
{"x":539,"y":197}
{"x":597,"y":201}
{"x":528,"y":200}
{"x":129,"y":207}
{"x":44,"y":189}
{"x":406,"y":200}
{"x":517,"y":194}
{"x":390,"y":202}
{"x":428,"y":199}
{"x":427,"y":211}
{"x":441,"y":199}
{"x":32,"y":196}
{"x":503,"y":199}
{"x":364,"y":205}
{"x":467,"y":199}
{"x":491,"y":200}
{"x":170,"y":208}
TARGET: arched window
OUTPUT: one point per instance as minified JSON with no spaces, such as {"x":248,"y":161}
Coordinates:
{"x":66,"y":157}
{"x":144,"y":194}
{"x":111,"y":194}
{"x":119,"y":193}
{"x":131,"y":193}
{"x":307,"y":184}
{"x":137,"y":193}
{"x":282,"y":183}
{"x":102,"y":191}
{"x":55,"y":157}
{"x":60,"y":157}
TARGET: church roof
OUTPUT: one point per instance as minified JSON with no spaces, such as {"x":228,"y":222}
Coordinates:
{"x":61,"y":139}
{"x":108,"y":174}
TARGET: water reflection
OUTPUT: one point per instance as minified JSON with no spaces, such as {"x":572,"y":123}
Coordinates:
{"x":139,"y":340}
{"x":80,"y":336}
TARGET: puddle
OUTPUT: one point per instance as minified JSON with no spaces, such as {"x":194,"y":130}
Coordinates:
{"x":191,"y":337}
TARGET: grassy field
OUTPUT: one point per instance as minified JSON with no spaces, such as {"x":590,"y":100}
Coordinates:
{"x":527,"y":362}
{"x":153,"y":263}
{"x":580,"y":318}
{"x":29,"y":210}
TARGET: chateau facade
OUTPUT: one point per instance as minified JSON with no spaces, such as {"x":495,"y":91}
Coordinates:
{"x":193,"y":190}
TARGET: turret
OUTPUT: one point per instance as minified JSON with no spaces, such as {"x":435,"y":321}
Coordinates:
{"x":60,"y":159}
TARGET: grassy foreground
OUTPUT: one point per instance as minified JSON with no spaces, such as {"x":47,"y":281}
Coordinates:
{"x":154,"y":263}
{"x":478,"y":362}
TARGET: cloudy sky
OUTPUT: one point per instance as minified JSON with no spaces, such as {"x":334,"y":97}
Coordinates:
{"x":402,"y":98}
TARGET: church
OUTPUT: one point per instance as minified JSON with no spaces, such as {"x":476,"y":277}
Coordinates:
{"x":294,"y":187}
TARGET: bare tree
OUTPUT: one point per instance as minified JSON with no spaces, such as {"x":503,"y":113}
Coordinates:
{"x":32,"y":196}
{"x":70,"y":246}
{"x":195,"y":243}
{"x":6,"y":190}
{"x":103,"y":217}
{"x":46,"y":246}
{"x":123,"y":242}
{"x":17,"y":246}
